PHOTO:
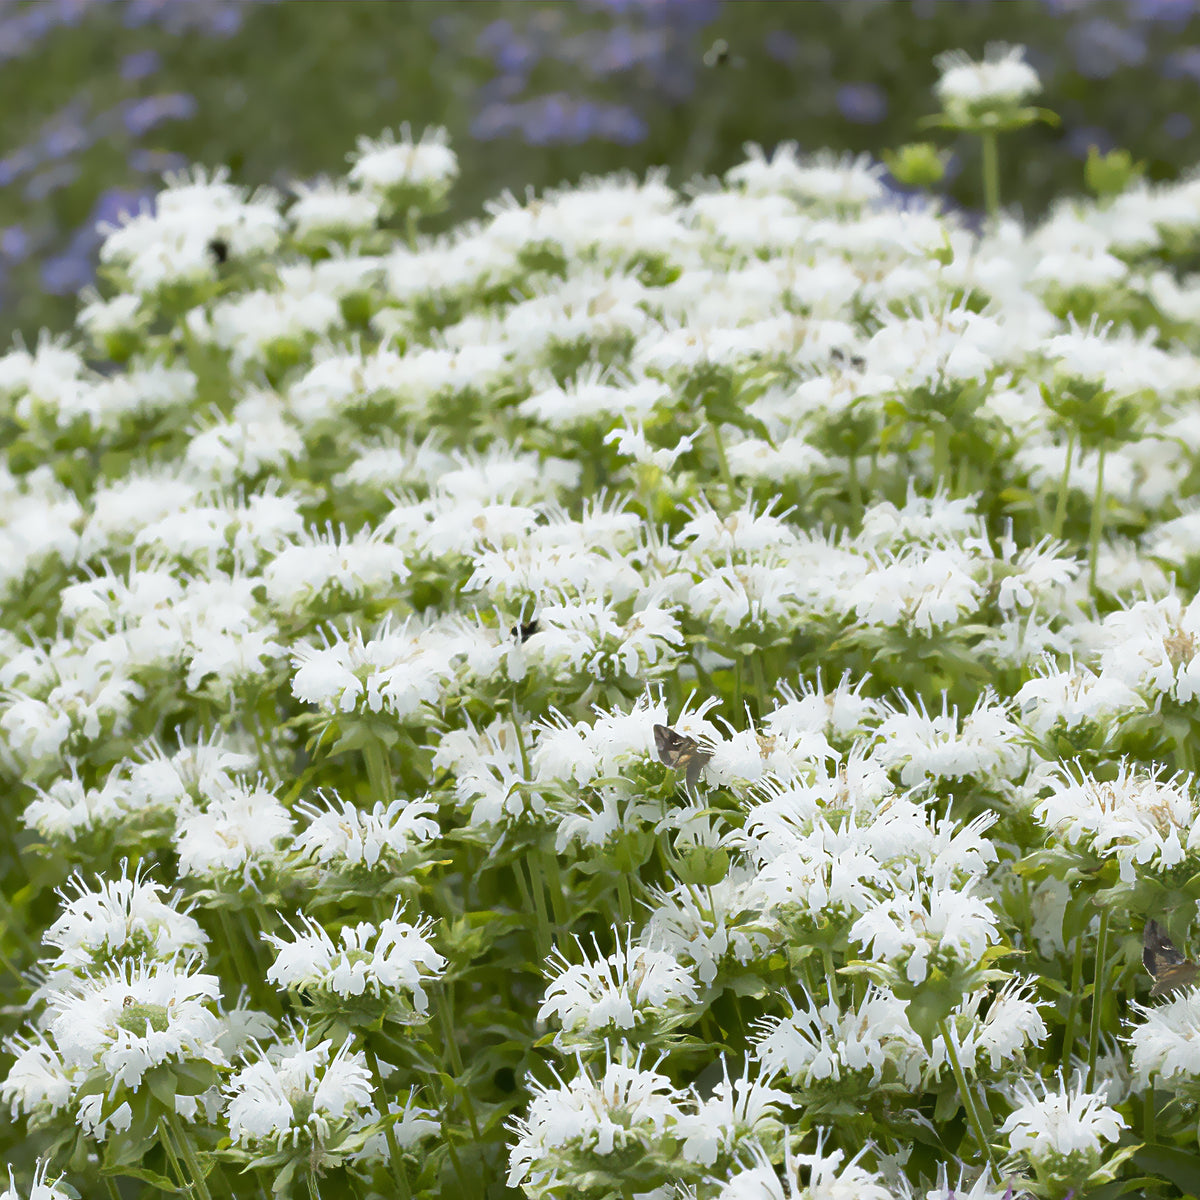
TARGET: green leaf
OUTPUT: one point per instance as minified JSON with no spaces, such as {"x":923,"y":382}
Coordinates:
{"x":1181,"y":1167}
{"x":145,"y":1174}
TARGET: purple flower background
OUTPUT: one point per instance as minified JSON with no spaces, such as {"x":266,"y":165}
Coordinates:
{"x":104,"y":95}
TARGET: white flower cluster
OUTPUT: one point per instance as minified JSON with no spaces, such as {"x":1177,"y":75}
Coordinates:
{"x":741,"y":641}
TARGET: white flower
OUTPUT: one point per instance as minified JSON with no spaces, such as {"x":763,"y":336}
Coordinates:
{"x":939,"y":351}
{"x":1154,"y":648}
{"x":627,"y":1107}
{"x":39,"y":1189}
{"x":1075,"y":698}
{"x":356,"y":566}
{"x":1062,"y":1130}
{"x":823,"y":180}
{"x":720,"y":926}
{"x":129,"y":1020}
{"x":295,"y":1095}
{"x":329,"y":209}
{"x":633,"y":986}
{"x":919,"y":590}
{"x":817,"y":1176}
{"x":736,"y":1115}
{"x":393,"y":957}
{"x":1138,"y":818}
{"x":1012,"y":1022}
{"x":38,"y":1082}
{"x":594,"y":396}
{"x":253,"y":325}
{"x":910,"y":928}
{"x":123,"y":917}
{"x":174,"y":245}
{"x":386,"y":168}
{"x":343,"y":834}
{"x":1166,"y":1042}
{"x":926,"y":747}
{"x":969,"y":89}
{"x":631,"y":442}
{"x":239,"y":825}
{"x":822,"y":1048}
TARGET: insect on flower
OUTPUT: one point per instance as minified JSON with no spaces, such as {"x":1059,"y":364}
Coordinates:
{"x":679,"y":752}
{"x":720,"y":55}
{"x":1168,"y":968}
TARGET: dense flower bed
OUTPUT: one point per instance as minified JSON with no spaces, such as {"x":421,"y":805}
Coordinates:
{"x":648,"y":694}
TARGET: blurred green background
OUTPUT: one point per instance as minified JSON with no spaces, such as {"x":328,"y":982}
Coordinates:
{"x":100,"y":96}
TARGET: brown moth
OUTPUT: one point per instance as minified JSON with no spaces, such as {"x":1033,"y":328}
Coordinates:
{"x":1168,"y":968}
{"x":680,"y":752}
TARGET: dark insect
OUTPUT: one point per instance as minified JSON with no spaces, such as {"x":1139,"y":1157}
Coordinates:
{"x":1168,"y":968}
{"x":840,"y":358}
{"x":720,"y":55}
{"x":219,"y":249}
{"x":680,"y":752}
{"x":525,"y":630}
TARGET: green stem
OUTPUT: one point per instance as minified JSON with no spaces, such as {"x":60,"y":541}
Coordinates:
{"x":545,"y":935}
{"x":236,"y":947}
{"x":527,"y":906}
{"x":722,"y":461}
{"x":941,"y":456}
{"x":856,"y":497}
{"x":1097,"y":521}
{"x":1060,"y":507}
{"x":555,"y":886}
{"x":1149,"y":1112}
{"x":395,"y":1163}
{"x":991,"y":175}
{"x":522,"y":749}
{"x":111,"y":1187}
{"x":379,"y":771}
{"x":445,"y":1014}
{"x":968,"y":1097}
{"x":760,"y":684}
{"x":314,"y":1192}
{"x":831,"y":976}
{"x":1073,"y":1006}
{"x":626,"y":897}
{"x":199,"y":1178}
{"x":537,"y":882}
{"x":165,"y":1141}
{"x":1097,"y":996}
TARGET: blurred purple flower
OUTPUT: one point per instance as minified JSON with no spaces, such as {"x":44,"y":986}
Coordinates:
{"x":559,"y":119}
{"x":16,"y":164}
{"x":117,"y":203}
{"x":1166,"y":12}
{"x":1083,"y":137}
{"x":1178,"y":125}
{"x":14,"y":243}
{"x":66,"y":273}
{"x":218,"y":18}
{"x":65,"y":134}
{"x":1183,"y":64}
{"x":155,"y":162}
{"x":140,"y":116}
{"x":1102,"y":47}
{"x":507,"y":49}
{"x":696,"y":13}
{"x":862,"y":103}
{"x":782,"y":46}
{"x":140,"y":64}
{"x":53,"y":179}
